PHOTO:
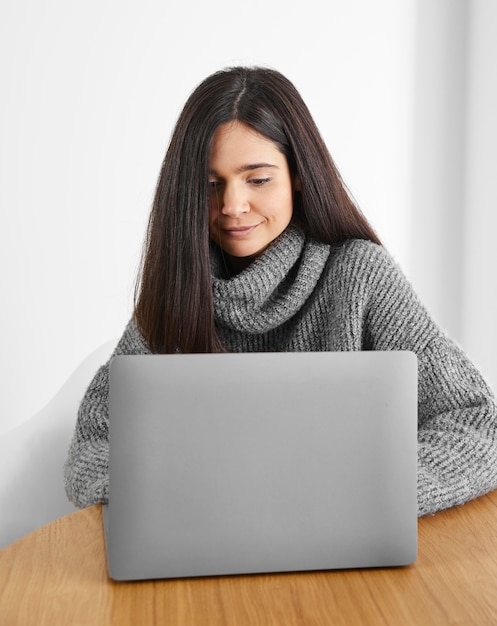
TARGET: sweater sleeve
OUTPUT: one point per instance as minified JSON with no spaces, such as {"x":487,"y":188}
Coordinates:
{"x":457,"y":416}
{"x":86,"y":469}
{"x":457,"y":432}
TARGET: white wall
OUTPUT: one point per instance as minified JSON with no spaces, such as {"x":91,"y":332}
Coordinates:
{"x":90,"y":92}
{"x":479,"y":304}
{"x":453,"y":217}
{"x":440,"y":114}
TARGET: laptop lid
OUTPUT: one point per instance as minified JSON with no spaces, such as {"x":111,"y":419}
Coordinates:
{"x":261,"y":462}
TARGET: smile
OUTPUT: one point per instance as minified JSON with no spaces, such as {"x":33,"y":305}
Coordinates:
{"x":239,"y":231}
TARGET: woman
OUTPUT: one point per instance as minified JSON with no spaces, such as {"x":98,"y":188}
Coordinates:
{"x":255,"y":245}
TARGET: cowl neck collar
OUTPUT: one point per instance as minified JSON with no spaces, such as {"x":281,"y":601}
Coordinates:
{"x":272,"y":288}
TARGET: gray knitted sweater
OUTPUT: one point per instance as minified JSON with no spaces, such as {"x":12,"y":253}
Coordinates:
{"x":300,"y":295}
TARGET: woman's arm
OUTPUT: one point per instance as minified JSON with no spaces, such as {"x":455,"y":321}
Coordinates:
{"x":457,"y":415}
{"x":86,"y":470}
{"x":457,"y":432}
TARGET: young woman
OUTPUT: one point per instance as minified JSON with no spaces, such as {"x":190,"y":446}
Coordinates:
{"x":254,"y":244}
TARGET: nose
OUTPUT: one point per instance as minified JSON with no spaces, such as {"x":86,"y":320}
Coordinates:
{"x":234,"y":201}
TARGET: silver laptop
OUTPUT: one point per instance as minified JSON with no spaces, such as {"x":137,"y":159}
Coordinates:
{"x":261,"y":462}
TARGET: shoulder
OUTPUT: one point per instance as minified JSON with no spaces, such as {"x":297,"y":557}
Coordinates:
{"x":368,"y":274}
{"x":132,"y":341}
{"x":365,"y":261}
{"x":361,"y":249}
{"x":374,"y":281}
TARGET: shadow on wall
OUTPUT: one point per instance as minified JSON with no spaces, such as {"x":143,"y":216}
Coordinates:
{"x":32,"y":456}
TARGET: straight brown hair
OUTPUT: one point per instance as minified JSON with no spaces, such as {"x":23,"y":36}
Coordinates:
{"x":173,"y":297}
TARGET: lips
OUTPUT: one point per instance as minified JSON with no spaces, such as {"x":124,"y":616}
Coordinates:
{"x":239,"y":231}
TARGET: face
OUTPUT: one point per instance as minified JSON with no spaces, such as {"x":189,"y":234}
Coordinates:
{"x":251,"y":192}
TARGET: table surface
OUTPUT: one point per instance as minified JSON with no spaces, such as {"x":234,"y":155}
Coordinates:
{"x":57,"y":575}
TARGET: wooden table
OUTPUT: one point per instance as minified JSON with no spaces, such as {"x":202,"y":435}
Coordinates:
{"x":57,"y":575}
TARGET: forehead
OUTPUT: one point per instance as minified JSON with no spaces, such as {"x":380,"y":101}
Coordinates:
{"x":235,"y":142}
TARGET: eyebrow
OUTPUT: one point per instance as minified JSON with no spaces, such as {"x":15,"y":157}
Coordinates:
{"x":250,"y":166}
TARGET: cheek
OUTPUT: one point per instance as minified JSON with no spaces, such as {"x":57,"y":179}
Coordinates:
{"x":285,"y":206}
{"x":279,"y":204}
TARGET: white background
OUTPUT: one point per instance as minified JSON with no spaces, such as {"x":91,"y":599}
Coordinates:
{"x":404,"y":92}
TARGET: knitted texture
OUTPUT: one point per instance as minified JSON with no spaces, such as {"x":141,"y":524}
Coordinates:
{"x":300,"y":295}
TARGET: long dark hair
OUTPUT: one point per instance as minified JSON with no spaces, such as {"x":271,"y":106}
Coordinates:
{"x":173,"y":299}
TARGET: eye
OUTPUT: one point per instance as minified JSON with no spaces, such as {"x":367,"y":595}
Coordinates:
{"x":259,"y":182}
{"x":214,"y":185}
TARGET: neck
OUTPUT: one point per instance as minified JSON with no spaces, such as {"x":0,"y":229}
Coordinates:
{"x":237,"y":264}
